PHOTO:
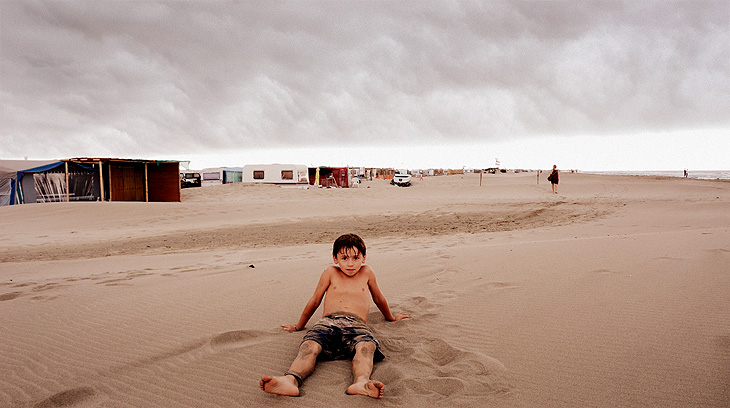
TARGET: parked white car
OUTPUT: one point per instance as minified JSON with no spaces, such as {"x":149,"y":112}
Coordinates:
{"x":401,"y":179}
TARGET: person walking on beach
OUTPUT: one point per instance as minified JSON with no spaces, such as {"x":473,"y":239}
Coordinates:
{"x":554,"y":178}
{"x":342,"y":332}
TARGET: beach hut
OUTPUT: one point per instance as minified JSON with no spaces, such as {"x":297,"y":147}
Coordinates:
{"x":283,"y":174}
{"x":329,"y":176}
{"x":385,"y":173}
{"x":221,"y":175}
{"x":136,"y":179}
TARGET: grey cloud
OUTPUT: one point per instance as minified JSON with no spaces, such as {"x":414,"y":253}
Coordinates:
{"x":139,"y":76}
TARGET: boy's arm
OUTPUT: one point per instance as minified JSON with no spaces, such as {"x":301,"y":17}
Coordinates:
{"x":381,"y":303}
{"x":312,"y":304}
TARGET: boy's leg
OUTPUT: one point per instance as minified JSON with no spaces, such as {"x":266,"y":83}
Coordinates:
{"x":301,"y":367}
{"x":362,"y":367}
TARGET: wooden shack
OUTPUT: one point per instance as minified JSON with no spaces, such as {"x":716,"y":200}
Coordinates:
{"x":135,"y":180}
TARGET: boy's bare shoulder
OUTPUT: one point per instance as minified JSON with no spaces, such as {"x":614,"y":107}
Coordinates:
{"x":330,"y":270}
{"x":367,"y":270}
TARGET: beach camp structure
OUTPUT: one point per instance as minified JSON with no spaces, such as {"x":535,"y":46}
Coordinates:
{"x":35,"y":181}
{"x":88,"y":179}
{"x":221,"y":175}
{"x":329,"y":176}
{"x":385,"y":173}
{"x":275,"y":173}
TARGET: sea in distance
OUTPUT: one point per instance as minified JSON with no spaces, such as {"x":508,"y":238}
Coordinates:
{"x":695,"y":174}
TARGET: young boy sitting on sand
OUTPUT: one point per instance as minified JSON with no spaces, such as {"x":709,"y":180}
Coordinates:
{"x":341,"y":333}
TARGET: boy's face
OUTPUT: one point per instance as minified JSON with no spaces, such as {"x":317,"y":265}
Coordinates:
{"x":349,"y":260}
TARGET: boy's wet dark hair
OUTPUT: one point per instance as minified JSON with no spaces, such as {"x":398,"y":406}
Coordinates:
{"x":348,"y":241}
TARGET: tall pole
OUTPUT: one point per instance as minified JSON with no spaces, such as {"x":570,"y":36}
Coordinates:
{"x":101,"y":181}
{"x":67,"y":192}
{"x":111,"y":183}
{"x":146,"y":190}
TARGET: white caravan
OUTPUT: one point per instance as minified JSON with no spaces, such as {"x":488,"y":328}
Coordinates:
{"x":220,"y":175}
{"x":276,"y":173}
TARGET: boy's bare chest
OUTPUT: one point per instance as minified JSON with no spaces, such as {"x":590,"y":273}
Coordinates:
{"x":348,"y":295}
{"x":351,"y":286}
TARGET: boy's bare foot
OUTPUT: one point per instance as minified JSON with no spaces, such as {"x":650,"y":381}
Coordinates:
{"x":367,"y":387}
{"x":284,"y":385}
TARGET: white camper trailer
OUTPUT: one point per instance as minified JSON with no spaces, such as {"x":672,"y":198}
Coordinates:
{"x":221,"y":175}
{"x":276,"y":173}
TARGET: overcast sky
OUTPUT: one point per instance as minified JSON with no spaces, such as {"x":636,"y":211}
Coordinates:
{"x":595,"y":85}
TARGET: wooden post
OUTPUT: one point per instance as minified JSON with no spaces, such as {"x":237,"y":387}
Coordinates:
{"x":480,"y":178}
{"x":111,"y":183}
{"x":146,"y":188}
{"x":101,"y":181}
{"x":67,"y":192}
{"x":179,"y":185}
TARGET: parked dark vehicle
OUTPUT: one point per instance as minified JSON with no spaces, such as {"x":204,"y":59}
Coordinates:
{"x":190,"y":180}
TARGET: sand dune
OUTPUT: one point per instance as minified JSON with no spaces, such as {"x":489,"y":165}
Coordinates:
{"x":612,"y":293}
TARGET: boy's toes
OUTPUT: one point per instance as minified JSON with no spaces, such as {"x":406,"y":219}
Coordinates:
{"x":372,"y":389}
{"x":279,"y":386}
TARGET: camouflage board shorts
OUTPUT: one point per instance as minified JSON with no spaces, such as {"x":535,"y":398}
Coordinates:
{"x":338,"y":334}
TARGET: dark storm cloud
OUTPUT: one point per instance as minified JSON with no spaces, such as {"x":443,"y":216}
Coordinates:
{"x":141,"y":76}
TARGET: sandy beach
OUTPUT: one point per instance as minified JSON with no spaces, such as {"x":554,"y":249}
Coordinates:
{"x":613,"y":293}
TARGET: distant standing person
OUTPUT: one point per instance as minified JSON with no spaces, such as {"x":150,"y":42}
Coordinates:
{"x":685,"y":173}
{"x":553,"y":178}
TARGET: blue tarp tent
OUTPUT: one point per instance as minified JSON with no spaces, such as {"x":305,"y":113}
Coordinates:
{"x":39,"y":181}
{"x":9,"y":177}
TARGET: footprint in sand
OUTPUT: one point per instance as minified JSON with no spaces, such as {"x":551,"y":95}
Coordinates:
{"x":667,"y":258}
{"x":420,"y":365}
{"x":724,"y":343}
{"x":126,"y":276}
{"x":416,"y":306}
{"x":68,"y":398}
{"x":498,"y":285}
{"x":48,"y":286}
{"x":237,"y":339}
{"x":433,"y":369}
{"x":439,"y":351}
{"x":10,"y":296}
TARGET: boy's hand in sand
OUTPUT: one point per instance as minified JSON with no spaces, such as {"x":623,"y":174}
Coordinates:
{"x":400,"y":316}
{"x":289,"y":327}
